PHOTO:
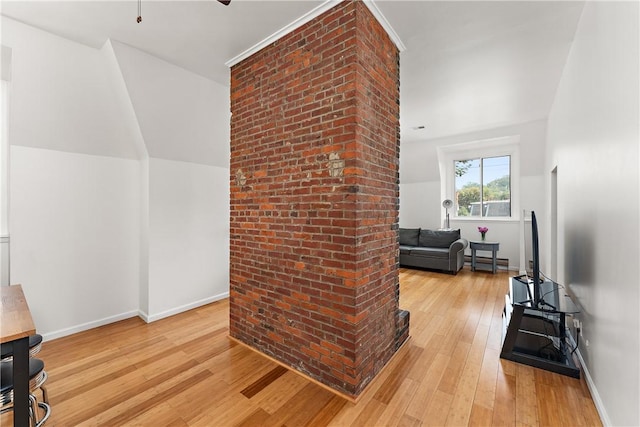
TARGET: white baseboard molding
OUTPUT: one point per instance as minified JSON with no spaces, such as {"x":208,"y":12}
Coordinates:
{"x":597,"y":401}
{"x":604,"y":417}
{"x":48,"y":336}
{"x":177,"y":310}
{"x":86,"y":326}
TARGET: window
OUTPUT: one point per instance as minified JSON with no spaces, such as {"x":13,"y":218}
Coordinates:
{"x":483,"y":187}
{"x":4,"y":188}
{"x":482,"y":177}
{"x":5,"y":78}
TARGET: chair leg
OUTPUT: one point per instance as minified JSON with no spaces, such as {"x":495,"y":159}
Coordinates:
{"x":33,"y":410}
{"x":47,"y":412}
{"x":45,"y":395}
{"x":34,"y":405}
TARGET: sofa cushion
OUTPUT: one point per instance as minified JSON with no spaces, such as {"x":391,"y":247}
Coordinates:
{"x":430,"y":252}
{"x":405,"y":250}
{"x":409,"y":236}
{"x":438,"y":238}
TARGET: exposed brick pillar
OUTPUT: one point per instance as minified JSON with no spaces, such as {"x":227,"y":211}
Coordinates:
{"x":314,"y":199}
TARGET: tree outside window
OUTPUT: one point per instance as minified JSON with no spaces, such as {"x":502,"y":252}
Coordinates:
{"x":483,"y":187}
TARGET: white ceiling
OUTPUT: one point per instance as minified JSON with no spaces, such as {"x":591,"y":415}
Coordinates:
{"x":467,"y":66}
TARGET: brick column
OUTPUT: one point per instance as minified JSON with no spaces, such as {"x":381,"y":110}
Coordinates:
{"x":314,"y":199}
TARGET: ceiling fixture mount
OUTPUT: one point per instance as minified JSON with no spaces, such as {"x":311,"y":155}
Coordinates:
{"x":139,"y":18}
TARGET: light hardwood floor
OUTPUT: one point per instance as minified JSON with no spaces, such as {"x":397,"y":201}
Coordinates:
{"x":184,"y":370}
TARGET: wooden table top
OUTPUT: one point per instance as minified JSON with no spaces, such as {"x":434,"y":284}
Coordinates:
{"x":16,"y":321}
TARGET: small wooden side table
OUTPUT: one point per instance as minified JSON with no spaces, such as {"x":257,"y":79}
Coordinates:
{"x":485,"y":246}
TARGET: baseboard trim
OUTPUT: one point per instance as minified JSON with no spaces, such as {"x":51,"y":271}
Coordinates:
{"x":348,"y":397}
{"x":177,"y":310}
{"x":127,"y":315}
{"x":500,"y":262}
{"x":86,"y":326}
{"x":597,"y":400}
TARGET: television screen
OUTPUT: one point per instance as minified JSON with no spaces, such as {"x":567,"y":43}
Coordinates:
{"x":535,"y":255}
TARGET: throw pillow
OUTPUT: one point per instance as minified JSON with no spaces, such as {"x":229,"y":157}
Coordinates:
{"x":409,"y":236}
{"x":438,"y":238}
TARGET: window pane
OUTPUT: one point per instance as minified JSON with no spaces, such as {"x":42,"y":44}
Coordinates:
{"x":4,"y":159}
{"x":467,"y":187}
{"x":4,"y":177}
{"x":496,"y":186}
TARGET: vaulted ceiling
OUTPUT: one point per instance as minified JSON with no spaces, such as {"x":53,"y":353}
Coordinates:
{"x":467,"y":65}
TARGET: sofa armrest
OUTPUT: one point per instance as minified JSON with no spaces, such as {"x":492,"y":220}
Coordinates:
{"x":456,"y":255}
{"x":457,"y":246}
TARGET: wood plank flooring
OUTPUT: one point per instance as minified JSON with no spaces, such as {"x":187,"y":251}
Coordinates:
{"x":184,"y":371}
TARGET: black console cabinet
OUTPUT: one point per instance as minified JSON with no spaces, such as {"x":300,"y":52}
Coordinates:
{"x":537,"y":336}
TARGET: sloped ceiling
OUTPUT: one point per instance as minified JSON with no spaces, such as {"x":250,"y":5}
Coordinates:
{"x":468,"y":65}
{"x":478,"y":65}
{"x":199,"y":36}
{"x":182,"y":116}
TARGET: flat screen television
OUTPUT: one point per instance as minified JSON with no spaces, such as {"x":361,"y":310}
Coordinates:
{"x":535,"y":254}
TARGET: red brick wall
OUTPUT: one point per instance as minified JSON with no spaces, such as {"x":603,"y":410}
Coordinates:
{"x":314,"y":199}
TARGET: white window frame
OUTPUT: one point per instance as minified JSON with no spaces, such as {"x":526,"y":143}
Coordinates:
{"x":5,"y":78}
{"x":494,"y":147}
{"x":4,"y":185}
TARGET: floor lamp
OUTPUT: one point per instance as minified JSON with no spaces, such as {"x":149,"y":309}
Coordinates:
{"x":446,"y":204}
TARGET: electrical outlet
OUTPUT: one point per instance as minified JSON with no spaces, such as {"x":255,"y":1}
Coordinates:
{"x":576,"y":323}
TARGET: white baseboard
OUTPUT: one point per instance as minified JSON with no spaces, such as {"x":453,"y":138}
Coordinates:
{"x":604,"y":417}
{"x":86,"y":326}
{"x":597,"y":400}
{"x":144,"y":316}
{"x":176,"y":310}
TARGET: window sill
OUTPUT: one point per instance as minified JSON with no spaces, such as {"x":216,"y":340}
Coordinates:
{"x":488,"y":219}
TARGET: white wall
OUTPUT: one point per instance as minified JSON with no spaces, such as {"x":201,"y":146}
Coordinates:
{"x":144,"y":239}
{"x":420,"y":190}
{"x":182,"y":115}
{"x":188,"y":236}
{"x":593,"y":141}
{"x":74,"y":237}
{"x":99,"y":230}
{"x":420,"y":205}
{"x":63,"y":96}
{"x":74,"y":213}
{"x":184,"y":122}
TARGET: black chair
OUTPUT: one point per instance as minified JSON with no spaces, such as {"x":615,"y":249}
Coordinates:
{"x":6,"y":349}
{"x":37,"y":378}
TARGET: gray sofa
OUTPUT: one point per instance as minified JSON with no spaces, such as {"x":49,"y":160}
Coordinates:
{"x":433,"y":249}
